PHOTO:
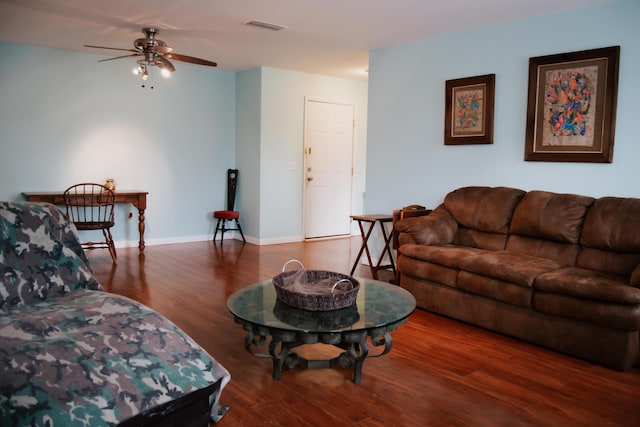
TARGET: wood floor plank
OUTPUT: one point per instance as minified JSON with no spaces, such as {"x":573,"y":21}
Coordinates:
{"x":440,"y":372}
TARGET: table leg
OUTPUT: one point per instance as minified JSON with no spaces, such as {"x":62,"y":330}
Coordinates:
{"x":282,"y":343}
{"x":387,"y":248}
{"x":278,"y":358}
{"x":365,"y":247}
{"x":358,"y":352}
{"x":141,"y":229}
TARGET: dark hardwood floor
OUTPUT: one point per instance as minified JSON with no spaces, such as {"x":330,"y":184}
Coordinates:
{"x":440,"y":372}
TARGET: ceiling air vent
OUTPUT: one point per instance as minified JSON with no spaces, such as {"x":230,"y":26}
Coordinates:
{"x":267,"y":25}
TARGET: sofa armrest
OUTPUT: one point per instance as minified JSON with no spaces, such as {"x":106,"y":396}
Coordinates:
{"x":635,"y":277}
{"x":406,"y":212}
{"x":438,"y":227}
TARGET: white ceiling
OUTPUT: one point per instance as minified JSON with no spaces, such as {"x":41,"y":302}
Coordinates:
{"x":330,"y":37}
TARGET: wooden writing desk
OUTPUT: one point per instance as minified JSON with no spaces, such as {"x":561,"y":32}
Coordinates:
{"x":136,"y":197}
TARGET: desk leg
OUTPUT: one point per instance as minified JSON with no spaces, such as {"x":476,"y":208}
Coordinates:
{"x":365,"y":247}
{"x":141,"y":229}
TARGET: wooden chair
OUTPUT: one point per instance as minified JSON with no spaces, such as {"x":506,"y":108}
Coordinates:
{"x":91,"y":207}
{"x":229,"y":214}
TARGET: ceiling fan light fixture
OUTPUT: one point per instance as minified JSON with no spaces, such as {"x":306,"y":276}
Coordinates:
{"x":267,"y":25}
{"x":154,"y":53}
{"x":138,"y":70}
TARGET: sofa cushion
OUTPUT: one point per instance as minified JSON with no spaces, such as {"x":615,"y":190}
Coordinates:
{"x":509,"y":267}
{"x":588,"y":284}
{"x":611,"y":236}
{"x":495,"y":289}
{"x":434,"y":263}
{"x":40,"y":255}
{"x":613,"y":223}
{"x":635,"y":277}
{"x":551,"y":216}
{"x":525,"y":245}
{"x":625,"y":317}
{"x":447,"y":255}
{"x":486,"y":209}
{"x":588,"y":296}
{"x":428,"y":272}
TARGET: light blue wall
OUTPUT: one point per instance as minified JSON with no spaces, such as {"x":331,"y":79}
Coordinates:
{"x":248,"y":122}
{"x":283,"y":108}
{"x":282,"y":97}
{"x":64,"y":118}
{"x":407,"y":161}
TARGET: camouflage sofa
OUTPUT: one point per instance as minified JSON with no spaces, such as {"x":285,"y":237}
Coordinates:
{"x":72,"y":354}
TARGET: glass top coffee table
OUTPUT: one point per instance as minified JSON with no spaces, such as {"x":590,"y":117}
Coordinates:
{"x":379,"y":309}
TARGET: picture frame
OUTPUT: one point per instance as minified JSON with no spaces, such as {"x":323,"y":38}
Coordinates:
{"x":571,"y":106}
{"x":469,"y":103}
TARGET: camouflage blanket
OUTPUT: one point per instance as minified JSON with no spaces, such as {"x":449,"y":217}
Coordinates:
{"x":91,"y":358}
{"x":40,"y":255}
{"x":72,"y":354}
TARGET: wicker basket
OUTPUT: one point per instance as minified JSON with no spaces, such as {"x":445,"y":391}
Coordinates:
{"x":315,"y":290}
{"x":316,"y":320}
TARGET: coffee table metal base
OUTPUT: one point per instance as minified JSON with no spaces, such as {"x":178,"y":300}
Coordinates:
{"x":281,"y":343}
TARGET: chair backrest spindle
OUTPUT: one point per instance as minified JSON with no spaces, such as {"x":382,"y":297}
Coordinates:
{"x":232,"y":185}
{"x":91,"y":207}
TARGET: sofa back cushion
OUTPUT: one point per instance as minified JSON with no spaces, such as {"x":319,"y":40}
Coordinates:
{"x":483,"y":215}
{"x":40,"y":255}
{"x":611,"y":237}
{"x":549,"y":225}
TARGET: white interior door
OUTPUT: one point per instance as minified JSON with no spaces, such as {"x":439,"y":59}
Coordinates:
{"x":328,"y":168}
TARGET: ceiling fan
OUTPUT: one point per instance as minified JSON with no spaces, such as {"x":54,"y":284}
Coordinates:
{"x":153,"y":52}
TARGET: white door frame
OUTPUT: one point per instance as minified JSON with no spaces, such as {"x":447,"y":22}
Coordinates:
{"x":305,"y":154}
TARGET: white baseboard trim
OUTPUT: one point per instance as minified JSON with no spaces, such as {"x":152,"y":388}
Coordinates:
{"x":165,"y":241}
{"x":279,"y":240}
{"x":208,"y":237}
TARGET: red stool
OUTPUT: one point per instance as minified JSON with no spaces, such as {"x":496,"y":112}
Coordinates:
{"x":229,"y":214}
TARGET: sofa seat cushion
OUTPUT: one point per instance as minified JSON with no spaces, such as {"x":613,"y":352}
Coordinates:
{"x":446,"y":255}
{"x":509,"y":267}
{"x":589,"y":284}
{"x":434,"y":263}
{"x":495,"y":289}
{"x":624,"y":317}
{"x":588,"y":296}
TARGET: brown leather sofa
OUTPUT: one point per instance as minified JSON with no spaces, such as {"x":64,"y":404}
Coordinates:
{"x":558,"y":270}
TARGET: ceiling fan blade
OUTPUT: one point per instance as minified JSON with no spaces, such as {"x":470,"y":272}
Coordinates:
{"x":190,"y":59}
{"x":163,"y":62}
{"x":111,"y":48}
{"x":120,"y":57}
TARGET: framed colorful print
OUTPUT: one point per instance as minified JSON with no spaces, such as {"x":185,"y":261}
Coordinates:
{"x":571,"y":109}
{"x":468,"y":116}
